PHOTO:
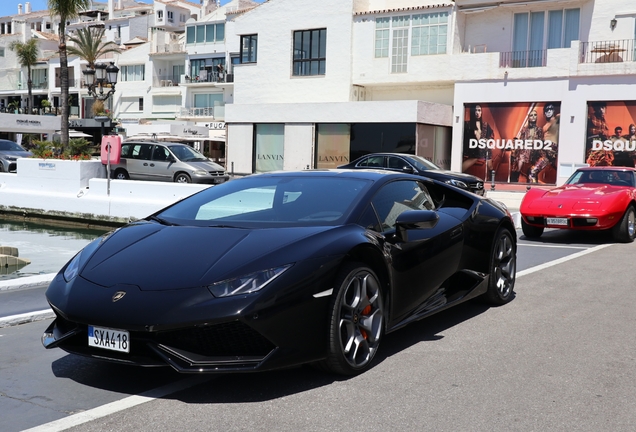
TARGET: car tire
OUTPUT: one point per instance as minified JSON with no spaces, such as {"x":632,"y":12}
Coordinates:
{"x":182,"y":178}
{"x":503,"y":269}
{"x":531,"y":231}
{"x":121,"y":174}
{"x":625,"y":230}
{"x":356,"y":320}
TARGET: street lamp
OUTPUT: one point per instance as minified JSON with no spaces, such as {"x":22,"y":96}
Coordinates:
{"x":96,"y":80}
{"x":99,"y":78}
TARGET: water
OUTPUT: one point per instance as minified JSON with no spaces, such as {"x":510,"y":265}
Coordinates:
{"x":48,"y":247}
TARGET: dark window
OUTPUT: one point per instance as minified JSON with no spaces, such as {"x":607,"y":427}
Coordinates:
{"x":141,"y":104}
{"x":372,"y":162}
{"x":310,"y":52}
{"x":249,"y":45}
{"x":398,"y":197}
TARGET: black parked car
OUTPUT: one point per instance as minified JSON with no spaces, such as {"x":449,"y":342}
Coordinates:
{"x":418,"y":165}
{"x":282,"y":268}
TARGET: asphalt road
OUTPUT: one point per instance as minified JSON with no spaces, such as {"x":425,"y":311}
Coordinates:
{"x":560,"y":357}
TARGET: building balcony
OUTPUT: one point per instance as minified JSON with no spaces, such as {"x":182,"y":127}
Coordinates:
{"x":167,"y":49}
{"x":615,"y":51}
{"x":581,"y":59}
{"x":216,"y":113}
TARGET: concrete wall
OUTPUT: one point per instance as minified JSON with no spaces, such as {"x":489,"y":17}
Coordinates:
{"x":79,"y":190}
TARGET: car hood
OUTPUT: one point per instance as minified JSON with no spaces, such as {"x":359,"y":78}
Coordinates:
{"x":205,"y":165}
{"x":156,"y":257}
{"x":16,"y":154}
{"x":567,"y":196}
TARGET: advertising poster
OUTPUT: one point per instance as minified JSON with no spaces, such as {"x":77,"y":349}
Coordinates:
{"x":519,"y":141}
{"x":332,"y":144}
{"x":270,"y":146}
{"x":611,"y":134}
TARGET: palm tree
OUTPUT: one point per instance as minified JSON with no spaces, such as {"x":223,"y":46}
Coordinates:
{"x":65,"y":10}
{"x":89,"y":45}
{"x":27,"y":53}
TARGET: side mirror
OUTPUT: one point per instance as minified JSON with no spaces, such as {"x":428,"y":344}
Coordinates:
{"x":408,"y":169}
{"x":415,"y":219}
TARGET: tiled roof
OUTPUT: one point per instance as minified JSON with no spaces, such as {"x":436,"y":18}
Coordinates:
{"x":405,"y":9}
{"x":46,"y":35}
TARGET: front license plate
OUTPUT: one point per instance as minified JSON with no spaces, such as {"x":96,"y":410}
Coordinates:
{"x":557,"y":221}
{"x":110,"y":339}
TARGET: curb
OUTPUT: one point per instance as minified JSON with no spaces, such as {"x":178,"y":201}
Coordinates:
{"x":26,"y":318}
{"x":26,"y":282}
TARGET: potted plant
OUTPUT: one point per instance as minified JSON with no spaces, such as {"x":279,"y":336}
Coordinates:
{"x":13,"y":106}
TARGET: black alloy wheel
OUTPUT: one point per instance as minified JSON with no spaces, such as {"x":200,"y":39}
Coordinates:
{"x":531,"y":231}
{"x":356,"y":320}
{"x":503,"y":269}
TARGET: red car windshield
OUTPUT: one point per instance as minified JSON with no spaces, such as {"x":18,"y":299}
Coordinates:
{"x":610,"y":177}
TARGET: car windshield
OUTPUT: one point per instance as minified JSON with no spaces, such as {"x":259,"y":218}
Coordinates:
{"x":423,"y":164}
{"x":10,"y":146}
{"x":264,"y":201}
{"x":186,"y":153}
{"x":611,"y":177}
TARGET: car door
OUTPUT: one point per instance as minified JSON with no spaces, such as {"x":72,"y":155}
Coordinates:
{"x":137,"y":162}
{"x":159,"y":166}
{"x":423,"y":261}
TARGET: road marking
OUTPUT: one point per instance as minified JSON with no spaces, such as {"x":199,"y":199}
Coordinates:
{"x":551,"y":246}
{"x":120,"y":405}
{"x":150,"y":395}
{"x":560,"y":260}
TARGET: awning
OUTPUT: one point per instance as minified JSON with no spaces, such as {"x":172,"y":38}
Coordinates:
{"x":77,"y":134}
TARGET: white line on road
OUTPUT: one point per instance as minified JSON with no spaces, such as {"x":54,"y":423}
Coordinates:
{"x":560,"y":260}
{"x":543,"y":245}
{"x":120,"y":405}
{"x":132,"y":401}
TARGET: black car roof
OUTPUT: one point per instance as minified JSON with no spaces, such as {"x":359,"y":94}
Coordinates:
{"x":368,"y":174}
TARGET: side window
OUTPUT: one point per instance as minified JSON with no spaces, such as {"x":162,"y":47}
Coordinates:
{"x":369,"y":219}
{"x":397,"y":197}
{"x":144,"y":151}
{"x":397,"y":163}
{"x":160,"y":153}
{"x":126,"y":150}
{"x":373,"y":162}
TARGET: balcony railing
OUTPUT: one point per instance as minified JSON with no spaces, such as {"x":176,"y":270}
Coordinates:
{"x":523,"y":59}
{"x":174,"y":47}
{"x":197,"y":112}
{"x":608,"y":51}
{"x":208,"y":76}
{"x":166,"y":80}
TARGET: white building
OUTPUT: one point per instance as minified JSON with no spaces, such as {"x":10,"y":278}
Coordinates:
{"x":347,"y":77}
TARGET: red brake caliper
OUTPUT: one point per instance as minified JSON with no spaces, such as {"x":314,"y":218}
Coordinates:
{"x":366,"y":311}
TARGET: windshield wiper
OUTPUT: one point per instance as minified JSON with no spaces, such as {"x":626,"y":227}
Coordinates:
{"x":161,"y":221}
{"x":225,"y":226}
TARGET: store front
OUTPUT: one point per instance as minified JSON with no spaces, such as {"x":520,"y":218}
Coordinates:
{"x":13,"y":126}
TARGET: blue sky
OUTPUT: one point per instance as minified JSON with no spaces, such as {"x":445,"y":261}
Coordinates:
{"x":10,"y":7}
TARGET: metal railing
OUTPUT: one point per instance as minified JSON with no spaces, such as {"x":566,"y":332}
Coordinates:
{"x":174,"y":47}
{"x":197,"y":112}
{"x":165,"y":80}
{"x":523,"y":59}
{"x":608,"y":51}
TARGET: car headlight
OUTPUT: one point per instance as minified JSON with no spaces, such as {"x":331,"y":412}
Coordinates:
{"x":72,"y":269}
{"x":458,"y":183}
{"x":246,"y":284}
{"x":199,"y":172}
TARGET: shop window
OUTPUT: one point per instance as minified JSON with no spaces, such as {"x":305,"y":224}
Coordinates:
{"x":332,"y":145}
{"x":269,"y":147}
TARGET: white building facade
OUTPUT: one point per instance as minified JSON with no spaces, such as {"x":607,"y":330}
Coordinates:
{"x":405,"y":75}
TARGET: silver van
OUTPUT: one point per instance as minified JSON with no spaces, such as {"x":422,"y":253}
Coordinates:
{"x":165,"y":161}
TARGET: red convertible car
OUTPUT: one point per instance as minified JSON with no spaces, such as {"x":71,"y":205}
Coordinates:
{"x":593,"y":198}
